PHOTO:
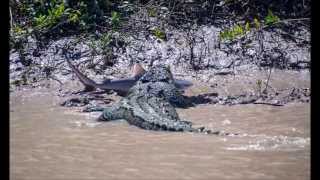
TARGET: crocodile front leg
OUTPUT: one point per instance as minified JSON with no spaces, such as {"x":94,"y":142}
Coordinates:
{"x":113,"y":112}
{"x":153,"y":113}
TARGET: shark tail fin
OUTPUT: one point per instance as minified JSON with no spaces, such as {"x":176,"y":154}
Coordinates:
{"x":137,"y":70}
{"x":89,"y":84}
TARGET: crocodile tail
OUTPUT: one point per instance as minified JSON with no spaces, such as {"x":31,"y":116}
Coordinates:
{"x":89,"y":84}
{"x":212,"y":132}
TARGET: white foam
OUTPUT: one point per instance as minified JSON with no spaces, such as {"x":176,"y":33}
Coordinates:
{"x":266,"y":143}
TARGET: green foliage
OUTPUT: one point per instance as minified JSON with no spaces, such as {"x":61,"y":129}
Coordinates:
{"x":234,"y":32}
{"x":102,"y":43}
{"x":41,"y":21}
{"x":105,"y":43}
{"x":57,"y":13}
{"x":159,"y":34}
{"x":115,"y":19}
{"x":271,"y":19}
{"x":52,"y":18}
{"x":247,"y":27}
{"x":17,"y":30}
{"x":152,"y":12}
{"x":105,"y":40}
{"x":240,"y":30}
{"x":256,"y":23}
{"x":73,"y":15}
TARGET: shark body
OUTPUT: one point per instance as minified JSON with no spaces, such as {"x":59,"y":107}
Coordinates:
{"x":121,"y":86}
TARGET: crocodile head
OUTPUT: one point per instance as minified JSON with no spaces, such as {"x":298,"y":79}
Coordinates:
{"x":158,"y":73}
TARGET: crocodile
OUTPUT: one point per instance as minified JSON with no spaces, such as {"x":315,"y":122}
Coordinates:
{"x":149,"y":104}
{"x":121,"y":86}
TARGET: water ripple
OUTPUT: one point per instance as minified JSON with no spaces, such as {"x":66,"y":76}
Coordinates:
{"x":265,"y":143}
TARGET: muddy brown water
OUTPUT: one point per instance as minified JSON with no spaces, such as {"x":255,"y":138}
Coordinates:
{"x":52,"y":142}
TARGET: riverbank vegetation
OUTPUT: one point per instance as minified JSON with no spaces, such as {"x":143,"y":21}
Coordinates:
{"x":195,"y":34}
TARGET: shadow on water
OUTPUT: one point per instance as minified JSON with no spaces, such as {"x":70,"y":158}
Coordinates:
{"x":192,"y":101}
{"x":84,"y":98}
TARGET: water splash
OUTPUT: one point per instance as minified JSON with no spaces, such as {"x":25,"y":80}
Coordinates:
{"x":85,"y":124}
{"x":266,"y":143}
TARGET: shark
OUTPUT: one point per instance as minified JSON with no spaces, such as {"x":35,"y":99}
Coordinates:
{"x":121,"y":86}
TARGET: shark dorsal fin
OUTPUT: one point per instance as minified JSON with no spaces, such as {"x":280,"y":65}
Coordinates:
{"x":137,"y":70}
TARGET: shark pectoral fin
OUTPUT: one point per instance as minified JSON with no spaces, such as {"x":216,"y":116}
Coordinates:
{"x":182,"y":84}
{"x":106,"y":81}
{"x":88,"y":88}
{"x":137,"y":70}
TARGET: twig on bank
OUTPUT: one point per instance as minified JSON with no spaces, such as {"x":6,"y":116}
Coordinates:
{"x":11,"y":19}
{"x":267,"y":83}
{"x":56,"y":79}
{"x":266,"y":103}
